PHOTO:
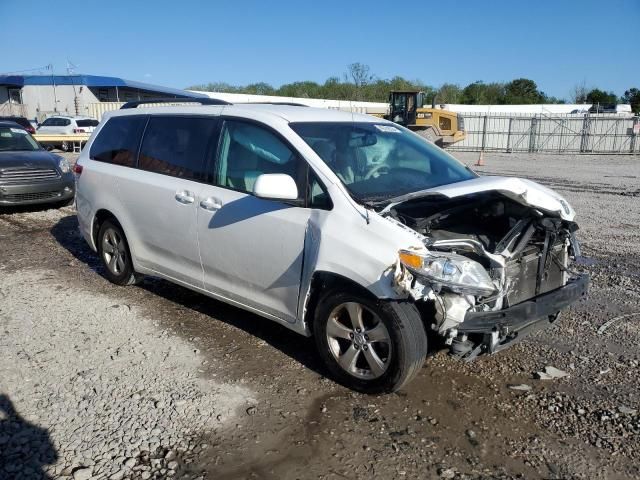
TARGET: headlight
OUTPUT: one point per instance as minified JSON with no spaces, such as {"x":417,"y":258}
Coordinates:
{"x":63,"y":165}
{"x":450,"y":270}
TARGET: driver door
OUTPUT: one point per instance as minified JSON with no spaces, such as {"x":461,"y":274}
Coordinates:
{"x":252,"y":248}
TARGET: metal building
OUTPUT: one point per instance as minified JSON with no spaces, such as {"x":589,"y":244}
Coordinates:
{"x":39,"y":96}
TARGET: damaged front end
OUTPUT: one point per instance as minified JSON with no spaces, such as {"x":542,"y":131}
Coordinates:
{"x":491,"y":268}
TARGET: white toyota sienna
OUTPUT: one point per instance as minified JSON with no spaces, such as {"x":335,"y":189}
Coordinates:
{"x":344,"y":227}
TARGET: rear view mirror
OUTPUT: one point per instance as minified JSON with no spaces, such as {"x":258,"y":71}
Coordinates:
{"x":275,"y":186}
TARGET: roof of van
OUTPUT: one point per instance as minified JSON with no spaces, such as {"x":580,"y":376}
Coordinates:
{"x":287,"y":112}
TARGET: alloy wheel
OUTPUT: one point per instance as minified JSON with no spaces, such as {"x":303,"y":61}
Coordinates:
{"x":114,"y":252}
{"x":359,"y":341}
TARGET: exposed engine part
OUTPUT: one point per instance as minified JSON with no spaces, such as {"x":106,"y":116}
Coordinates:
{"x":525,"y":252}
{"x":450,"y":310}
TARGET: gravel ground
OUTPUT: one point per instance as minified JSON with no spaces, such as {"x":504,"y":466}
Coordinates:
{"x":155,"y":381}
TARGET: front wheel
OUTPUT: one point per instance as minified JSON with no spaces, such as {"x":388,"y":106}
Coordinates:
{"x":115,"y":255}
{"x":370,"y":346}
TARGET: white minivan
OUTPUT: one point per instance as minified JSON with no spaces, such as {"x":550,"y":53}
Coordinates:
{"x":340,"y":226}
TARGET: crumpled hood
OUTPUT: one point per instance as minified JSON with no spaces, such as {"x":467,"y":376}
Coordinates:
{"x":521,"y":190}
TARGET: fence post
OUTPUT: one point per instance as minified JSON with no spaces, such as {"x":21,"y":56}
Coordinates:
{"x":484,"y":132}
{"x":509,"y":135}
{"x":584,"y":140}
{"x":634,"y":134}
{"x":532,"y":134}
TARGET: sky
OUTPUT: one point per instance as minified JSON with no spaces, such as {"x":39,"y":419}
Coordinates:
{"x":558,"y":44}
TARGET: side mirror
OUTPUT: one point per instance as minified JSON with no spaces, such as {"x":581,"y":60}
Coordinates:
{"x":275,"y":186}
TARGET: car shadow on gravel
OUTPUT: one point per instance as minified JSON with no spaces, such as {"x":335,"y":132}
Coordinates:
{"x":24,"y":448}
{"x":295,"y":346}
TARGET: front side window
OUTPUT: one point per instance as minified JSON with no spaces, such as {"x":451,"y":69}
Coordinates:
{"x":49,"y":122}
{"x":118,"y":140}
{"x":178,"y":146}
{"x":248,"y":150}
{"x":377,"y":162}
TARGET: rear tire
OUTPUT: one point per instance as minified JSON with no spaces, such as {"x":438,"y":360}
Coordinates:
{"x":115,"y":255}
{"x":369,"y":345}
{"x":65,"y":147}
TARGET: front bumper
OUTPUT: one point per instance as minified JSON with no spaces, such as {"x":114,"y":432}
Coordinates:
{"x":51,"y":191}
{"x":500,"y":329}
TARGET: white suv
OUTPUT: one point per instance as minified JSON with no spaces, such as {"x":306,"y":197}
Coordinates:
{"x":344,"y":227}
{"x":64,"y":125}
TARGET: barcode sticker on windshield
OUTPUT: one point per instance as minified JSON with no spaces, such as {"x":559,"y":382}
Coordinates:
{"x":19,"y":130}
{"x":387,"y":128}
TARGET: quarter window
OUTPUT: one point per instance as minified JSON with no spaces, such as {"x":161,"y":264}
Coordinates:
{"x":178,"y":146}
{"x":118,"y":140}
{"x":247,"y":151}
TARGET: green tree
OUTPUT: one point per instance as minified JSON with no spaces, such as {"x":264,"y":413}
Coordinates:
{"x":600,"y":97}
{"x":522,"y":91}
{"x":449,"y":93}
{"x":632,"y":96}
{"x":479,"y":93}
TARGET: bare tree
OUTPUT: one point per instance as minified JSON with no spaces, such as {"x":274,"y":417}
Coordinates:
{"x":579,"y":92}
{"x":359,"y":73}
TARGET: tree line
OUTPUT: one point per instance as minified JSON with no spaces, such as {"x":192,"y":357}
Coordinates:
{"x":359,"y":84}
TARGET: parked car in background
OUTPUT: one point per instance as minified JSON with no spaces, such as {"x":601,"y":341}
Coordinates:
{"x":65,"y":125}
{"x":28,"y":173}
{"x":345,"y":227}
{"x":22,"y":121}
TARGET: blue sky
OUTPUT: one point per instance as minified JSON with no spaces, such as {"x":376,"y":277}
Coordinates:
{"x":179,"y":43}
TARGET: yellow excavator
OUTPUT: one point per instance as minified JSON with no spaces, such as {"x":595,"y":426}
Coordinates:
{"x":442,"y":127}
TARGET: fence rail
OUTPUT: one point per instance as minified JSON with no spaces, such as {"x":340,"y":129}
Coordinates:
{"x":551,"y":133}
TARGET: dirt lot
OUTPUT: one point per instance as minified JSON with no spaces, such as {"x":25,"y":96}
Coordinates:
{"x":155,"y":381}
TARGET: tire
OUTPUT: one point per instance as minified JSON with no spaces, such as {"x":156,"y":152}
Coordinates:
{"x":118,"y":267}
{"x":65,"y":146}
{"x":349,"y":353}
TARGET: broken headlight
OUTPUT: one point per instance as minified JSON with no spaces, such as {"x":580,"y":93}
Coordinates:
{"x":459,"y":274}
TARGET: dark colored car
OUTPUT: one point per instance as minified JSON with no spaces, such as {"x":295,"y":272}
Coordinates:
{"x":28,"y":173}
{"x":22,"y":121}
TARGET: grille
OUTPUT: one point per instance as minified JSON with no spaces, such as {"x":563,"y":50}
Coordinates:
{"x":24,"y":175}
{"x":22,"y":197}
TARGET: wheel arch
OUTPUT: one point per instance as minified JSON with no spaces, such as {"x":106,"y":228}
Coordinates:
{"x":99,"y":218}
{"x":321,"y":281}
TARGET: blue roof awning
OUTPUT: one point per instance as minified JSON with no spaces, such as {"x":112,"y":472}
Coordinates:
{"x":91,"y":81}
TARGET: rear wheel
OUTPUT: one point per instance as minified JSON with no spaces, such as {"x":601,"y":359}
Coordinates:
{"x":368,"y":345}
{"x":115,"y":255}
{"x":65,"y":146}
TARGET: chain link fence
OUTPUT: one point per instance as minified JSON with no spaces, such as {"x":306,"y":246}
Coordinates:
{"x":570,"y":133}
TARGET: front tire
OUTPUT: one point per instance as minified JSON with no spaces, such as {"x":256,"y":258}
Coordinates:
{"x":368,"y":345}
{"x":115,"y":255}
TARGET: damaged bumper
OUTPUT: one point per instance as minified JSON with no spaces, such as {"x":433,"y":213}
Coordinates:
{"x":502,"y":328}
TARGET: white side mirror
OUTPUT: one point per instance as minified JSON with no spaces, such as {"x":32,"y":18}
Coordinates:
{"x":275,"y":186}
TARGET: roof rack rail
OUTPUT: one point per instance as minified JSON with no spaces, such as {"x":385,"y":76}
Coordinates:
{"x":291,"y":104}
{"x":201,"y":101}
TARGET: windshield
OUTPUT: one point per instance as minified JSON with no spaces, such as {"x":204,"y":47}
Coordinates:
{"x":16,"y":139}
{"x":377,"y":162}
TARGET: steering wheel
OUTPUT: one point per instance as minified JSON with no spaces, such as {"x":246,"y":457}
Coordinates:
{"x":377,"y":169}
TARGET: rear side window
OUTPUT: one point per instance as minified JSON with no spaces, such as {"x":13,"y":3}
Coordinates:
{"x":87,"y":123}
{"x":118,"y":140}
{"x":178,"y":146}
{"x":63,"y":122}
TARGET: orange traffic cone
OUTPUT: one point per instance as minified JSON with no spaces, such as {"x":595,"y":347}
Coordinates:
{"x":480,"y":162}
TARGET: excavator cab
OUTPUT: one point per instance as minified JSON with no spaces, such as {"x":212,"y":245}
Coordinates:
{"x":442,"y":127}
{"x":404,"y":105}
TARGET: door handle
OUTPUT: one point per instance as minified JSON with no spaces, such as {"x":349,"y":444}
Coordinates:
{"x":212,"y":204}
{"x":185,"y":197}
